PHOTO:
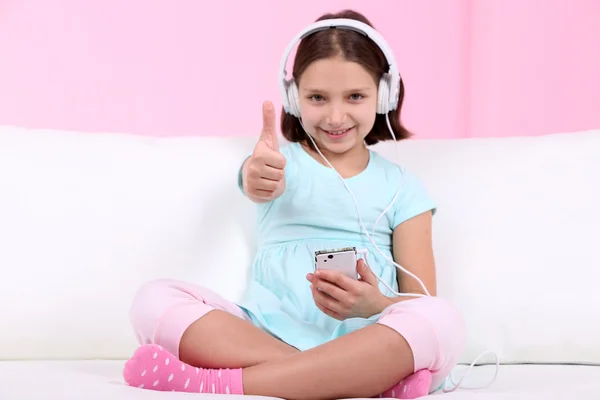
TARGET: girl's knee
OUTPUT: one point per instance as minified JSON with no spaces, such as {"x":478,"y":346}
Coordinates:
{"x":433,"y":327}
{"x":146,"y":307}
{"x":162,"y":310}
{"x":148,"y":295}
{"x":448,"y":322}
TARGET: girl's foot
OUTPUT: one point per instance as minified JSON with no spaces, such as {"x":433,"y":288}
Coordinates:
{"x":152,"y":367}
{"x":412,"y":387}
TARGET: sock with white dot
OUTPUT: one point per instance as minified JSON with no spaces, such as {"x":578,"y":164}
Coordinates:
{"x":412,"y":387}
{"x":152,"y":367}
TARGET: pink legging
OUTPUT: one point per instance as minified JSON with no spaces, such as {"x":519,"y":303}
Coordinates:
{"x":163,"y":309}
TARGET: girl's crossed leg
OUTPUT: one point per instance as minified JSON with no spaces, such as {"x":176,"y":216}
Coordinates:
{"x":200,"y":327}
{"x":425,"y":335}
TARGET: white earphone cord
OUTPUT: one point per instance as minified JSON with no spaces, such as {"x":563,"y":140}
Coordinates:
{"x":365,"y":252}
{"x":383,"y":213}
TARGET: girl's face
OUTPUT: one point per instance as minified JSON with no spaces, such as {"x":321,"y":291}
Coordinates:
{"x":338,"y":103}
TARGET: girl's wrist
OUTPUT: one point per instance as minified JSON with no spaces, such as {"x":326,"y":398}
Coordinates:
{"x":384,"y":303}
{"x":398,"y":299}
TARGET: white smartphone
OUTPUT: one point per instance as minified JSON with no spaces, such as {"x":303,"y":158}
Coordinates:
{"x":342,"y":260}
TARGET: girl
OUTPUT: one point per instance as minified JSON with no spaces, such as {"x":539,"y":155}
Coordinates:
{"x":299,"y":334}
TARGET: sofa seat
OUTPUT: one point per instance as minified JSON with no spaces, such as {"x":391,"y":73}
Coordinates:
{"x":99,"y":379}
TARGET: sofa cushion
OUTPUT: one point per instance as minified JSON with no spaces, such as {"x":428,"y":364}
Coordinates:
{"x":86,"y":218}
{"x":515,"y":238}
{"x":91,"y":380}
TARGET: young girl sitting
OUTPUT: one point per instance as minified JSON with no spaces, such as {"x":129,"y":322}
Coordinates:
{"x":301,"y":333}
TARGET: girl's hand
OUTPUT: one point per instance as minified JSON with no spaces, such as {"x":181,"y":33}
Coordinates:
{"x":263,"y":173}
{"x":342,"y":297}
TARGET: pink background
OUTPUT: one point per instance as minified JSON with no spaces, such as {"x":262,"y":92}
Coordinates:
{"x":186,"y":67}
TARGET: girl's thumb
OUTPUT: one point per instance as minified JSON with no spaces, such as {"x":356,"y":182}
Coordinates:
{"x":269,"y":131}
{"x":365,"y":273}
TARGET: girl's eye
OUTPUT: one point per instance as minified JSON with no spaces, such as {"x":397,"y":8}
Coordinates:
{"x":316,"y":97}
{"x":356,"y":96}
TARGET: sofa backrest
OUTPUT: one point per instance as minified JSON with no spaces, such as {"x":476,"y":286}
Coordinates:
{"x":86,"y":218}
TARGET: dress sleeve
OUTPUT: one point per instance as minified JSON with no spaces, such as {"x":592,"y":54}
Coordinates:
{"x":240,"y":182}
{"x":412,"y":200}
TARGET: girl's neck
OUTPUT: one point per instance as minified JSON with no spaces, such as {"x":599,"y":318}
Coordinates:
{"x":348,"y":164}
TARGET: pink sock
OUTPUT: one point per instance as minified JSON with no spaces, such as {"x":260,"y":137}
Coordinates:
{"x":152,"y":367}
{"x":411,"y":387}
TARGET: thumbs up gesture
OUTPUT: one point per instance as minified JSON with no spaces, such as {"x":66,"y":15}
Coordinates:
{"x":264,"y":173}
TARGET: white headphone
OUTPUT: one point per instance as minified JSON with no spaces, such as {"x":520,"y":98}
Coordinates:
{"x":389,"y":84}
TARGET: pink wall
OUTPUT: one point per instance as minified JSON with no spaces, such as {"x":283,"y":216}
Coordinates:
{"x":159,"y":67}
{"x":535,"y":66}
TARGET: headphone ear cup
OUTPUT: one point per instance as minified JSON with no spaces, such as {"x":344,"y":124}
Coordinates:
{"x":293,"y":98}
{"x":383,"y":95}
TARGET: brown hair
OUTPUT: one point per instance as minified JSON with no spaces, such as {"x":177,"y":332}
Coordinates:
{"x":354,"y":47}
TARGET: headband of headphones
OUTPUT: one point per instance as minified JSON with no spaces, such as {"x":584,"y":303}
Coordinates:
{"x":393,"y":76}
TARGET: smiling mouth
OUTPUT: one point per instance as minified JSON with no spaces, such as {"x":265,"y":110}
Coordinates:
{"x":337,"y":132}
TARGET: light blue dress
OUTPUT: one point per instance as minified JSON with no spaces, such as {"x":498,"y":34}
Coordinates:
{"x":316,"y":212}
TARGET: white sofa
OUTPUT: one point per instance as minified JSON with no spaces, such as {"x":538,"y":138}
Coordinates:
{"x":86,"y":218}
